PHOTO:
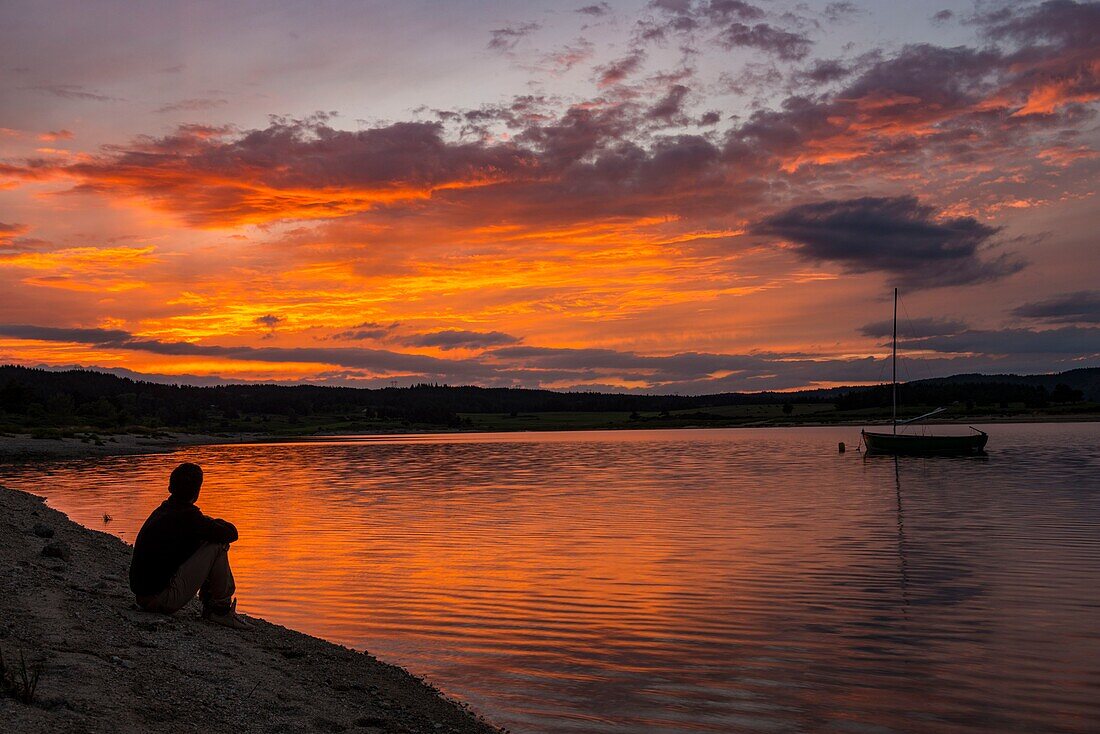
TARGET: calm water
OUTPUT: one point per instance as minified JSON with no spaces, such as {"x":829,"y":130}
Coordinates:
{"x":671,"y":581}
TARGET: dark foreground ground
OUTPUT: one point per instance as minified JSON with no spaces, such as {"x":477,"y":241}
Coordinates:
{"x":107,"y":667}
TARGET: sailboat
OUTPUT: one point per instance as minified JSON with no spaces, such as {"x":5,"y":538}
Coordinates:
{"x":911,"y":443}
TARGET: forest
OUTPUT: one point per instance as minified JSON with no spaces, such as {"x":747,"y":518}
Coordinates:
{"x":33,"y":399}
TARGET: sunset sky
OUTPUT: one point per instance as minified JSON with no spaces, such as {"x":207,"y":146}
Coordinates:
{"x":675,"y":196}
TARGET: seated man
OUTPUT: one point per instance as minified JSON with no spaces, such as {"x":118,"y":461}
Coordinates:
{"x":180,"y":552}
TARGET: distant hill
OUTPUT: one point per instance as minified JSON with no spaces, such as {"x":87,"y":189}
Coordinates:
{"x":31,"y":397}
{"x":1031,"y":391}
{"x":1087,"y":380}
{"x":108,"y":400}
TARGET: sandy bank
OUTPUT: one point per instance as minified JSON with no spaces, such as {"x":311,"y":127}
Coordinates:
{"x":107,"y":667}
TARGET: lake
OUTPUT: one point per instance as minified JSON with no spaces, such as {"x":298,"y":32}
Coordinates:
{"x":720,"y":580}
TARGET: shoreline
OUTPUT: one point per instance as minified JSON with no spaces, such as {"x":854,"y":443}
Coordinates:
{"x":24,"y":447}
{"x":108,"y":667}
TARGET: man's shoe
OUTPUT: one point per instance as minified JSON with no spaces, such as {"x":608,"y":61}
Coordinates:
{"x":226,"y":617}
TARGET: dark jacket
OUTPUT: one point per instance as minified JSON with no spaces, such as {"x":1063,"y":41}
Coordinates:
{"x":169,"y":537}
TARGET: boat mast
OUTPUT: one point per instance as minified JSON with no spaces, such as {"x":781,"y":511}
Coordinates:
{"x":895,"y":361}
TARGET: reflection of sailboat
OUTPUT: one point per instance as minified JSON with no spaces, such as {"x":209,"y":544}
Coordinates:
{"x":903,"y":566}
{"x":907,"y":443}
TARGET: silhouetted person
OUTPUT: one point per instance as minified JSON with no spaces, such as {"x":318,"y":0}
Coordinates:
{"x":181,"y":552}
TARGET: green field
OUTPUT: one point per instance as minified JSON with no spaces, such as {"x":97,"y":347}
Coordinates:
{"x":719,"y":416}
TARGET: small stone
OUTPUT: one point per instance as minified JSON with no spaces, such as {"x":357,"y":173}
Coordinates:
{"x":42,"y":530}
{"x":57,"y":549}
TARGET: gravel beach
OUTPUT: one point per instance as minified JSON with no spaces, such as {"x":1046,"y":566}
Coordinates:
{"x":108,"y":667}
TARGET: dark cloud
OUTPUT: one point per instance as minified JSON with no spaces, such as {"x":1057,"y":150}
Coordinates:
{"x":1079,"y":307}
{"x":56,"y":334}
{"x":679,"y":17}
{"x":754,"y":77}
{"x":268,"y":320}
{"x":823,"y":71}
{"x":923,"y":74}
{"x":691,"y":373}
{"x":1069,"y":340}
{"x":505,"y":39}
{"x":723,"y":11}
{"x":1057,"y":59}
{"x":685,"y":15}
{"x":926,"y":103}
{"x":13,"y":239}
{"x":460,"y":339}
{"x":577,"y":135}
{"x":914,"y":328}
{"x":899,"y":236}
{"x":675,"y":7}
{"x":8,"y":232}
{"x":372,"y":359}
{"x":368,"y":330}
{"x":675,"y":17}
{"x":71,"y":91}
{"x":727,"y":22}
{"x":566,"y":57}
{"x":670,"y":108}
{"x":361,"y":334}
{"x":787,"y":45}
{"x":685,"y":366}
{"x":1058,"y":21}
{"x":195,"y":104}
{"x":713,"y":117}
{"x":619,"y":70}
{"x":555,"y":168}
{"x":837,"y":11}
{"x":943,"y":16}
{"x":211,"y":176}
{"x":685,"y":373}
{"x":595,"y":10}
{"x":529,"y":162}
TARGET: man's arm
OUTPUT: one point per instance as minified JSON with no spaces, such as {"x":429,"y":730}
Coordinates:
{"x":214,"y":530}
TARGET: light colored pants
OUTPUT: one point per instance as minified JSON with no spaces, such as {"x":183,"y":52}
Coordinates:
{"x":205,"y":573}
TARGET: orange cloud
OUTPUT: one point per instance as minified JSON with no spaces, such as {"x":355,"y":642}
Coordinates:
{"x":55,"y":135}
{"x":8,"y":233}
{"x":616,"y":220}
{"x":91,"y":269}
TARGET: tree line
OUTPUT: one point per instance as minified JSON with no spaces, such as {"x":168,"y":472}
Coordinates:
{"x":32,"y":396}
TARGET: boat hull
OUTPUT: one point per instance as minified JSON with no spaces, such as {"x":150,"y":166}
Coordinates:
{"x":907,"y":444}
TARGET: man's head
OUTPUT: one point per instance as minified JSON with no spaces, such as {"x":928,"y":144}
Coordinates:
{"x":185,"y":482}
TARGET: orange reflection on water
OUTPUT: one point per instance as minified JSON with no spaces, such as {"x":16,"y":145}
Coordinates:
{"x":663,"y":581}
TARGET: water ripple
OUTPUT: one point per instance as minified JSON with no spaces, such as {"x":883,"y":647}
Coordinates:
{"x":671,"y":581}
